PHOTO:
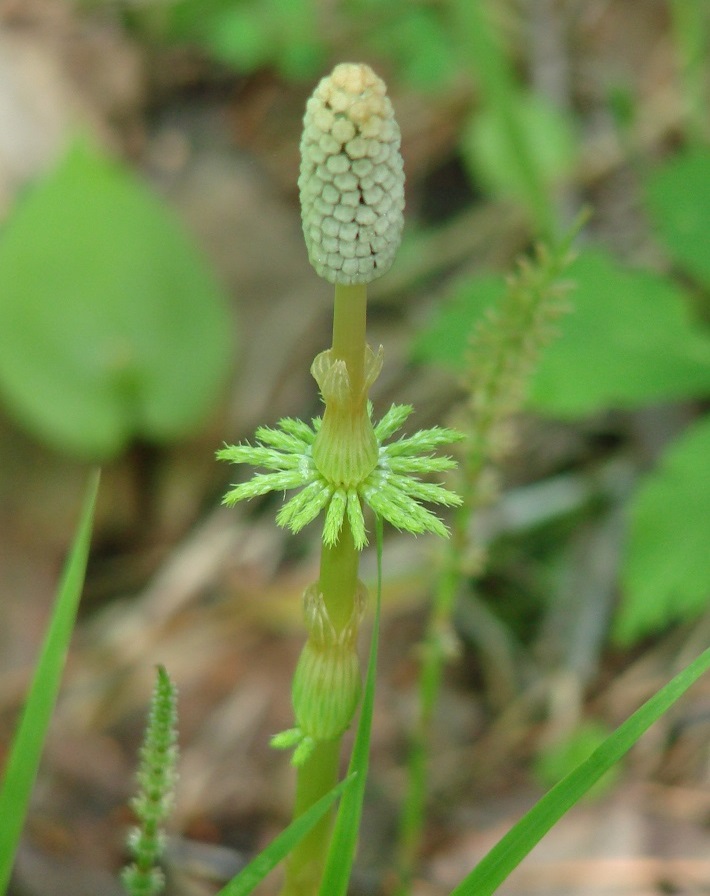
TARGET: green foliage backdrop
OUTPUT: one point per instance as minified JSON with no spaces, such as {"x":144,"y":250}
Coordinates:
{"x":112,"y":325}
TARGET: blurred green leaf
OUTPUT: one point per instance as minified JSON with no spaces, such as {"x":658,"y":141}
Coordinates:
{"x":301,"y":52}
{"x":418,"y":40}
{"x":678,"y":197}
{"x":182,"y":20}
{"x":691,"y":33}
{"x":628,"y":341}
{"x":446,"y":338}
{"x":250,"y":34}
{"x":490,"y":154}
{"x":666,"y":572}
{"x":112,"y":327}
{"x":239,"y":36}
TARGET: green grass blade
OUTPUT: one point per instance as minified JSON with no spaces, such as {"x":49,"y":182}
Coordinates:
{"x":249,"y":877}
{"x":26,"y":749}
{"x":517,"y":843}
{"x":347,"y":824}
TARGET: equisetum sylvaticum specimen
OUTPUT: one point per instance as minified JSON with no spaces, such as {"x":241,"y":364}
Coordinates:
{"x":352,"y":199}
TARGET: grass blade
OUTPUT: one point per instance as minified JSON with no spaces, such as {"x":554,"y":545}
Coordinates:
{"x":347,"y":823}
{"x":249,"y":877}
{"x":517,"y":843}
{"x":26,"y":749}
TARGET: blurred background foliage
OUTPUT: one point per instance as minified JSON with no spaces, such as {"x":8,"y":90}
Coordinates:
{"x":155,"y":301}
{"x":114,"y":327}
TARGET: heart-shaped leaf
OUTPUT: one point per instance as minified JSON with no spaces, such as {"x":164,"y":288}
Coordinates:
{"x":112,"y":326}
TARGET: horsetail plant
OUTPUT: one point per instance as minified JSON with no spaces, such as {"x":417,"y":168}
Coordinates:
{"x":352,"y":198}
{"x":341,"y":463}
{"x":504,"y":349}
{"x":156,"y":779}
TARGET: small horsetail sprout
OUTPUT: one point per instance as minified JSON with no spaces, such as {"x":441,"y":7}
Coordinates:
{"x":157,"y":777}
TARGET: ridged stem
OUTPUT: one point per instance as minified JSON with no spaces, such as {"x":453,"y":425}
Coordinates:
{"x":349,"y":324}
{"x":338,"y":584}
{"x":317,"y":776}
{"x":338,"y":578}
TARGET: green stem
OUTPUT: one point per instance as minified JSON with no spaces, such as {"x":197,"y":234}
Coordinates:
{"x":434,"y":657}
{"x":338,"y":577}
{"x":338,"y":583}
{"x":319,"y":773}
{"x":349,"y":324}
{"x":316,"y":777}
